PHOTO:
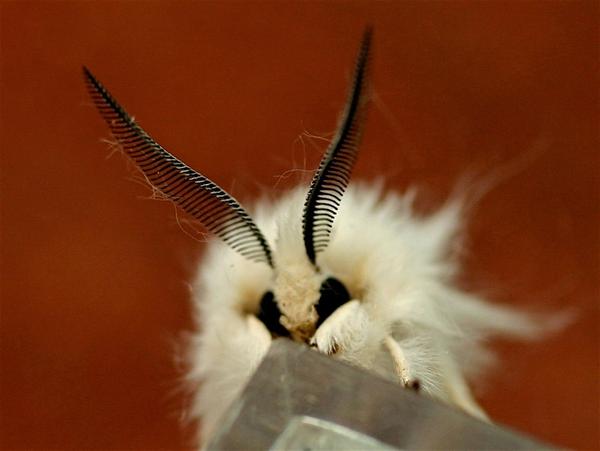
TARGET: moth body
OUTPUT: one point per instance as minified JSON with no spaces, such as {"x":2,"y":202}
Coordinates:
{"x":405,"y":319}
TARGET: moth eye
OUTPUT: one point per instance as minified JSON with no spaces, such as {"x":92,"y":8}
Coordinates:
{"x":269,"y":314}
{"x":333,"y":295}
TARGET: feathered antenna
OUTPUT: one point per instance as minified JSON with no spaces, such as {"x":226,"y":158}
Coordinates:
{"x":218,"y":211}
{"x":332,"y":177}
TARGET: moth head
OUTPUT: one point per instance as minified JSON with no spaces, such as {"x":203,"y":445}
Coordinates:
{"x":296,"y":290}
{"x":301,"y":296}
{"x":299,"y":320}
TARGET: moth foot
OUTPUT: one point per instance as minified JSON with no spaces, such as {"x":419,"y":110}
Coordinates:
{"x":329,"y":348}
{"x":401,"y":366}
{"x":334,"y":348}
{"x":413,"y":384}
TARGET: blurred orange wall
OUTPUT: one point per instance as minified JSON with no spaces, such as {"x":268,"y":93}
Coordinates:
{"x":94,"y":287}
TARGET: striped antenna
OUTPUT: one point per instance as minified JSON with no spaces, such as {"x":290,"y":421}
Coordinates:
{"x":204,"y":200}
{"x":332,"y":177}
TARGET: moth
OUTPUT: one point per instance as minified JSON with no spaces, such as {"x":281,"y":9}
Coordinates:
{"x":350,"y":271}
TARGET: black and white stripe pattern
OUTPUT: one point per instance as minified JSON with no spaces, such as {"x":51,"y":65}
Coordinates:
{"x":332,"y":177}
{"x":197,"y":195}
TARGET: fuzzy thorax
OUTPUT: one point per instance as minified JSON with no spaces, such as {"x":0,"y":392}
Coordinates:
{"x":297,"y":282}
{"x":297,"y":291}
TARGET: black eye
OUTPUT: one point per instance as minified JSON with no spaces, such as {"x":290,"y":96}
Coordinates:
{"x":333,"y":295}
{"x":269,"y":314}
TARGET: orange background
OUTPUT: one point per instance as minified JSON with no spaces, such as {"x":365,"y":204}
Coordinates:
{"x":94,"y":278}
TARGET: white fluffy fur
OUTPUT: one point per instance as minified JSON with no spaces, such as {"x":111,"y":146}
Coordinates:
{"x":398,"y":269}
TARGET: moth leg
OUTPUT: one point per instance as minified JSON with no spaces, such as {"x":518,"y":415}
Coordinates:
{"x":401,"y":364}
{"x":259,"y":334}
{"x":343,"y":330}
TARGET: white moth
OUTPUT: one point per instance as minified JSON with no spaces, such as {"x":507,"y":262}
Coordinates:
{"x":350,"y":271}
